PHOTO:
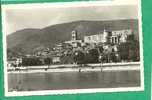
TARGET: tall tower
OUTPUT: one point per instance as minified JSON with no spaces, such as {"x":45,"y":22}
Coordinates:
{"x":105,"y":36}
{"x":74,"y":35}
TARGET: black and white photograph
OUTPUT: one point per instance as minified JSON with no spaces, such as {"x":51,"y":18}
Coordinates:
{"x":69,"y":48}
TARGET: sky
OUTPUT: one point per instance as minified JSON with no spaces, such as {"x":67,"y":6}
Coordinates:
{"x":39,"y":17}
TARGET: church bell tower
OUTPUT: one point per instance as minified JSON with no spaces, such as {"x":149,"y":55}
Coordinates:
{"x":74,"y":35}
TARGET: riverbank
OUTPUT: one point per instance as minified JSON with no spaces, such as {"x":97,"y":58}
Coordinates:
{"x":77,"y":68}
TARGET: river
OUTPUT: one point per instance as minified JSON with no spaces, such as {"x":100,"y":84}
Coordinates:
{"x":72,"y":80}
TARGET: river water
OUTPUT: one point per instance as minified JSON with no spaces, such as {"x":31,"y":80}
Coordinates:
{"x":72,"y":80}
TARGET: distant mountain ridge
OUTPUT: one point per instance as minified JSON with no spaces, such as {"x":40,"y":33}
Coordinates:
{"x":27,"y":40}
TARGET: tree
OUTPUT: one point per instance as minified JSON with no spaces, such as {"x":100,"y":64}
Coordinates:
{"x":129,"y":50}
{"x":78,"y":57}
{"x":134,"y":51}
{"x":92,"y":56}
{"x":124,"y":51}
{"x":47,"y":61}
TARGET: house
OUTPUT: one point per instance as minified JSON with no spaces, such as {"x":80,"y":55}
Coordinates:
{"x":56,"y":59}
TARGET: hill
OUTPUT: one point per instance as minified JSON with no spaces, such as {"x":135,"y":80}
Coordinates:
{"x":26,"y":40}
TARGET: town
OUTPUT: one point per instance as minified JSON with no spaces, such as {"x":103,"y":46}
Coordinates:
{"x":103,"y":47}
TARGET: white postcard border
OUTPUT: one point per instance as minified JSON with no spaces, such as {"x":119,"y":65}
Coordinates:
{"x":73,"y":4}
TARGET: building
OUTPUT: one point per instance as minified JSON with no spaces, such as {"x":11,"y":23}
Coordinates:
{"x":114,"y":37}
{"x":74,"y":35}
{"x":56,"y":59}
{"x":75,"y":42}
{"x":101,"y":37}
{"x":120,"y":36}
